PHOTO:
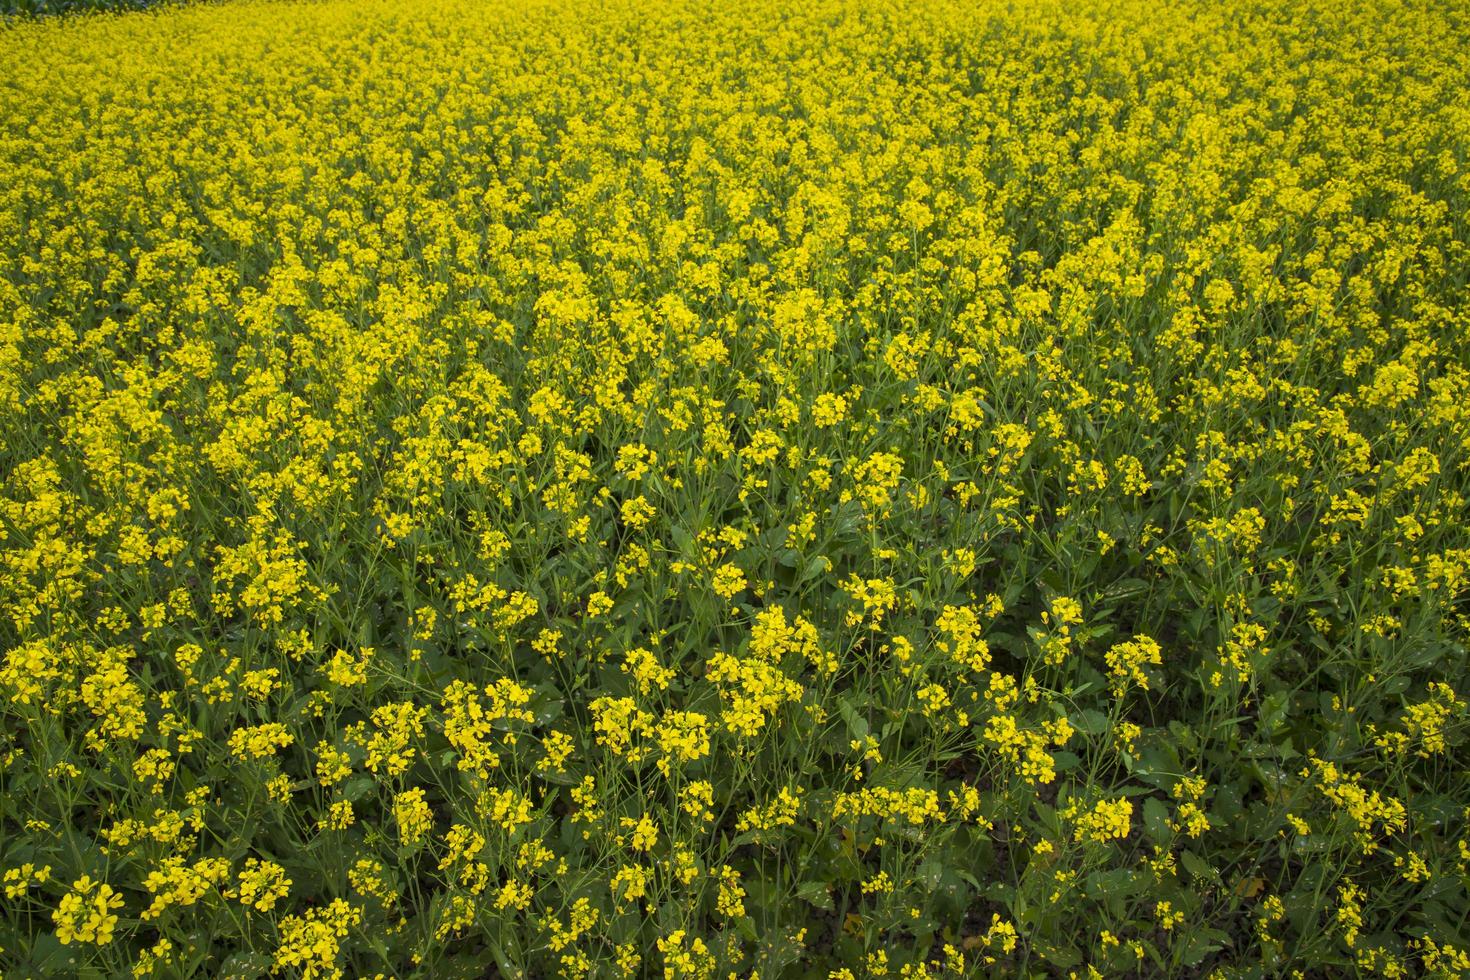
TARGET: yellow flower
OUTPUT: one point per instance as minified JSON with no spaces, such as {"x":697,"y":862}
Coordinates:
{"x":411,"y":811}
{"x":1106,"y":820}
{"x":697,"y":799}
{"x":729,"y":581}
{"x":645,"y":832}
{"x":311,"y":942}
{"x":828,"y":410}
{"x":629,"y":884}
{"x":260,"y":741}
{"x":87,"y":913}
{"x":729,"y":901}
{"x":1126,"y":661}
{"x":262,"y":884}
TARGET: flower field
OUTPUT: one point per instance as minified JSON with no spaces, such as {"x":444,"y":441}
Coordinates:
{"x":743,"y":489}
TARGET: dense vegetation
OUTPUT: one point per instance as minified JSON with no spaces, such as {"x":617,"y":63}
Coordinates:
{"x":800,"y":490}
{"x":32,"y":8}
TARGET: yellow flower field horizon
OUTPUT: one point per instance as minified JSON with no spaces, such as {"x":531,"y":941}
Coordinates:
{"x":755,"y":489}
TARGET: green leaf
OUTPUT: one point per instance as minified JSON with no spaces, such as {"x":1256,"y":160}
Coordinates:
{"x":1090,"y":722}
{"x":1065,"y":957}
{"x":245,"y":966}
{"x":1200,"y":944}
{"x":1197,"y":866}
{"x":1156,"y":820}
{"x":816,"y":893}
{"x":1273,"y":712}
{"x":856,"y":723}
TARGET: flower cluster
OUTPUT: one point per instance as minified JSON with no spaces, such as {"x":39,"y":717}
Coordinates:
{"x":830,"y":489}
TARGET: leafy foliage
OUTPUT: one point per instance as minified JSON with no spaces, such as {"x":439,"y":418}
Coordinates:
{"x":33,"y":8}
